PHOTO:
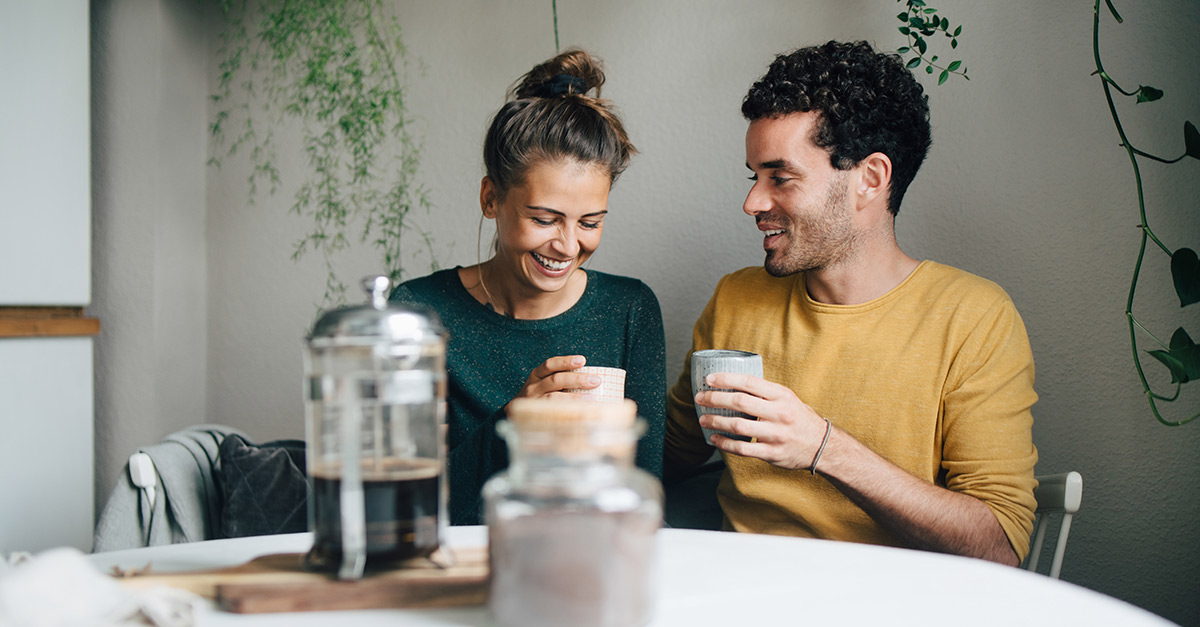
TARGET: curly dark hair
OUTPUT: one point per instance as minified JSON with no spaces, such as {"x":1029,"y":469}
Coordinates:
{"x":868,"y":101}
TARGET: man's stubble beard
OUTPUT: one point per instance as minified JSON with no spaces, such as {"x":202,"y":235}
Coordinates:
{"x":829,"y":236}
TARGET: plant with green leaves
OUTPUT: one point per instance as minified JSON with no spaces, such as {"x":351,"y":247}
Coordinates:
{"x":1181,"y":356}
{"x":336,"y":69}
{"x":922,"y":21}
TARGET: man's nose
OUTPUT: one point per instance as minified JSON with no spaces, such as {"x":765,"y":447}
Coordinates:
{"x":756,"y":201}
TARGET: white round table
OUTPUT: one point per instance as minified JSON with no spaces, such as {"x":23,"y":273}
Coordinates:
{"x":717,"y":578}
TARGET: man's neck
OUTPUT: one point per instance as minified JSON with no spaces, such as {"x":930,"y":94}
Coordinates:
{"x":873,"y":272}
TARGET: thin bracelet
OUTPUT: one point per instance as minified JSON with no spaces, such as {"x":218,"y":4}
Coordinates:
{"x":828,"y":428}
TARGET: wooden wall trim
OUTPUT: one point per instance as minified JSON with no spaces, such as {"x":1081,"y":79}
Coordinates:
{"x":46,"y":322}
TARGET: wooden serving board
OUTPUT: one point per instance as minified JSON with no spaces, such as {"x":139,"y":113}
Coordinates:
{"x":279,"y":583}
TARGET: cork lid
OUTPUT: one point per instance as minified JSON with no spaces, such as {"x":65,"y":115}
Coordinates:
{"x":573,"y":426}
{"x":549,"y":412}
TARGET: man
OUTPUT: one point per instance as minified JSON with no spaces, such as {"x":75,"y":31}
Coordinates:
{"x":894,"y":407}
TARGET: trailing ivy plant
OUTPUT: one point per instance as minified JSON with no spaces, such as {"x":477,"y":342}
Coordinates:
{"x":922,"y":21}
{"x":335,"y":69}
{"x":1181,"y":356}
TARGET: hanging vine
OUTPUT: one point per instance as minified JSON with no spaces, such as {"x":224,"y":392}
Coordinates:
{"x":336,"y":68}
{"x":1181,"y":356}
{"x":922,"y":21}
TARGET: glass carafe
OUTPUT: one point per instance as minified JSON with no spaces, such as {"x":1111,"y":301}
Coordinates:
{"x":375,"y":407}
{"x":572,"y":521}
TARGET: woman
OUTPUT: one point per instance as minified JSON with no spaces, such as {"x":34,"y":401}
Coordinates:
{"x":520,"y":322}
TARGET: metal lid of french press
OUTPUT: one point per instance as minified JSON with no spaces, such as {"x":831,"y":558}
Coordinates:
{"x":378,"y":320}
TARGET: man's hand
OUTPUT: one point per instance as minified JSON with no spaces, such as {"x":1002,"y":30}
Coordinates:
{"x":787,"y":432}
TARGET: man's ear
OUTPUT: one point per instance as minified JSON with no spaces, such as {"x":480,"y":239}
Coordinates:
{"x":874,"y":179}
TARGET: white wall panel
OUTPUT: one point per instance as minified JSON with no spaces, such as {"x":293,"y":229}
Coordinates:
{"x":45,"y":159}
{"x":46,"y":447}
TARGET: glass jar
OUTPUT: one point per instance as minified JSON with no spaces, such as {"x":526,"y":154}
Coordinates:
{"x":572,"y":521}
{"x":375,"y":390}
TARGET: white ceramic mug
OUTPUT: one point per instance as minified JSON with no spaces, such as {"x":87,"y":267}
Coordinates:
{"x":707,"y":362}
{"x":612,"y":384}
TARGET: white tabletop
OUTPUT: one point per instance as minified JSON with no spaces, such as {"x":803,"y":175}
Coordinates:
{"x":716,"y":578}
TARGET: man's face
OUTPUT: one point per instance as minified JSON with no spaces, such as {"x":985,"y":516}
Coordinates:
{"x":798,"y":199}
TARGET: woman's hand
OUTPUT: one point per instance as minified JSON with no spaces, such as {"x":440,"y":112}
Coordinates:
{"x":554,"y":377}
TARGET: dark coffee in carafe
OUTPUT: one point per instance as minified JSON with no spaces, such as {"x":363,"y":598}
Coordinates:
{"x":401,"y":514}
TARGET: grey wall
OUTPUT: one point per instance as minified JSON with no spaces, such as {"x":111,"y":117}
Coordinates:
{"x":1025,"y":185}
{"x":149,"y":105}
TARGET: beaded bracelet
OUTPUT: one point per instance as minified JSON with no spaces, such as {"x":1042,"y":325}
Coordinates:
{"x":824,"y":441}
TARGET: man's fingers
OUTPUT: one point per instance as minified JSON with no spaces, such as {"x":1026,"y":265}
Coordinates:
{"x":740,"y":447}
{"x":748,"y":383}
{"x":737,"y":401}
{"x":731,"y":424}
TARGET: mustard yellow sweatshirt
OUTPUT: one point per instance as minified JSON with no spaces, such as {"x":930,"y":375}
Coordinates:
{"x":935,"y":376}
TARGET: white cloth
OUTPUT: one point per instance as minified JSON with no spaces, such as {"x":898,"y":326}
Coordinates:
{"x":60,"y":587}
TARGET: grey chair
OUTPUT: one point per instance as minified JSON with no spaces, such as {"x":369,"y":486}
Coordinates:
{"x":167,"y":493}
{"x":1058,"y":496}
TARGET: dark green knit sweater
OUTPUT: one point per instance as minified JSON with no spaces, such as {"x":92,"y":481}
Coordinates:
{"x":616,"y":323}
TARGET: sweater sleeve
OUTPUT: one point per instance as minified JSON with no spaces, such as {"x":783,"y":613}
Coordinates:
{"x":988,"y":450}
{"x":471,"y":459}
{"x":646,"y":381}
{"x":472,"y":462}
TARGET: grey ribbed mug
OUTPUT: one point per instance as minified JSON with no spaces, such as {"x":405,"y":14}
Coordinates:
{"x":707,"y":362}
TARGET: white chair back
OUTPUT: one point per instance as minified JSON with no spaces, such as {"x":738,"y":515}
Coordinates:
{"x":1057,"y":495}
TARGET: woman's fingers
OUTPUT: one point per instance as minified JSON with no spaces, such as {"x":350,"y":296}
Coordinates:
{"x":560,"y":363}
{"x":555,"y":375}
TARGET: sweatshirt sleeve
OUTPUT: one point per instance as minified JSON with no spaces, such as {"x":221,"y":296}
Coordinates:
{"x":988,"y":450}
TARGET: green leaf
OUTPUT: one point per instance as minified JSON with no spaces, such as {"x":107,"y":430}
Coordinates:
{"x":1113,"y":10}
{"x":953,"y":43}
{"x":903,"y":50}
{"x":945,"y":75}
{"x":1146,"y":93}
{"x":945,"y":23}
{"x":958,"y":31}
{"x":954,"y":65}
{"x":929,"y":69}
{"x":1183,"y":358}
{"x":1185,"y":273}
{"x":1191,"y":140}
{"x":1178,"y":371}
{"x":902,"y":16}
{"x":934,"y":59}
{"x":913,"y":62}
{"x":904,"y":30}
{"x":929,"y":10}
{"x":921,"y":45}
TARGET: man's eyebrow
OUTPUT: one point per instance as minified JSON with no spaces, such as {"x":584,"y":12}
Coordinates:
{"x":559,"y":213}
{"x":774,"y":164}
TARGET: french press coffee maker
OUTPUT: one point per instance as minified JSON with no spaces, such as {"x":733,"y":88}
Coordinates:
{"x":375,"y":405}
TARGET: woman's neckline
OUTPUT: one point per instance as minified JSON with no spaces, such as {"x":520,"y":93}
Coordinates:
{"x":468,"y":277}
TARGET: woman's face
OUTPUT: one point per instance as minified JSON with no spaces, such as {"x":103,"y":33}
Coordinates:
{"x":549,"y":225}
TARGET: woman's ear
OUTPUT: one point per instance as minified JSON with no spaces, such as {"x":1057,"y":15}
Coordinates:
{"x":487,"y":198}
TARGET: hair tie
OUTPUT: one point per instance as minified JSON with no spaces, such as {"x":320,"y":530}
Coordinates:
{"x":565,"y":84}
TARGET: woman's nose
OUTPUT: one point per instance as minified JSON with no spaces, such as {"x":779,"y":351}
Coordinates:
{"x":567,"y":243}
